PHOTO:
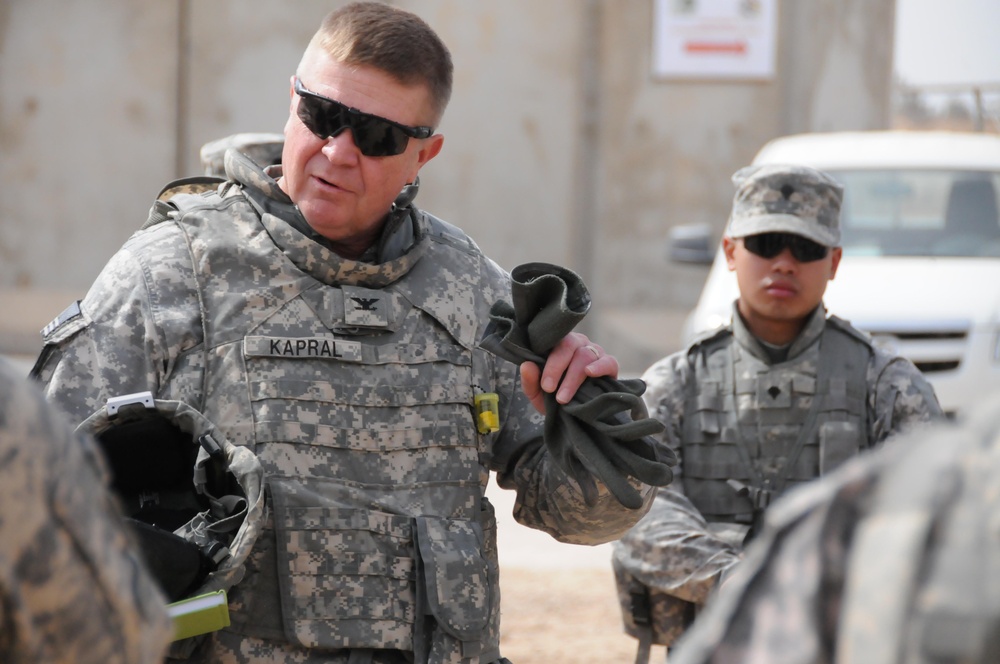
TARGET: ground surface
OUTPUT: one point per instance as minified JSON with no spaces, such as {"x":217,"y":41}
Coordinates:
{"x":556,"y":616}
{"x":558,"y":601}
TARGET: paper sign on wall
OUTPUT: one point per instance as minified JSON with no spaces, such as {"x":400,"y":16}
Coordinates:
{"x":714,"y":39}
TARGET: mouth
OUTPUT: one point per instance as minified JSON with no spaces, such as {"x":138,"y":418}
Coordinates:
{"x":327,"y":185}
{"x":780,"y":289}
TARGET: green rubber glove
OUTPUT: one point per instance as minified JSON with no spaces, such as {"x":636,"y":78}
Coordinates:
{"x":604,"y":432}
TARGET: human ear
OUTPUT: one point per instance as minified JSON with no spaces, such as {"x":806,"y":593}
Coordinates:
{"x":835,"y":255}
{"x":729,"y":249}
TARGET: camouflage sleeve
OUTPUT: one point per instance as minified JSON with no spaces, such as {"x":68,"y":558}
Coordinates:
{"x":672,"y":548}
{"x":902,"y":397}
{"x":71,"y":587}
{"x":547,"y":498}
{"x":781,"y":604}
{"x":136,"y":321}
{"x":666,"y":383}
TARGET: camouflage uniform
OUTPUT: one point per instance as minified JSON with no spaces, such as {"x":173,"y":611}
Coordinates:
{"x":354,"y":384}
{"x":71,"y":587}
{"x":893,"y":558}
{"x":748,"y":421}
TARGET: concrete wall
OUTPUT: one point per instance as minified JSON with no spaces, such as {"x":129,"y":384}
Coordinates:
{"x":560,"y":145}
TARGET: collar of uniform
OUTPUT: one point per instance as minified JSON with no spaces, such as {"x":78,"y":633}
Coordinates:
{"x":807,"y":337}
{"x":309,"y":251}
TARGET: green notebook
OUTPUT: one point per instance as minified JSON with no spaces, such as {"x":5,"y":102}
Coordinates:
{"x":200,"y":614}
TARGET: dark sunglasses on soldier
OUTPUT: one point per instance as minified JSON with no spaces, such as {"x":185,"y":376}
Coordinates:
{"x":769,"y":245}
{"x":374,"y":136}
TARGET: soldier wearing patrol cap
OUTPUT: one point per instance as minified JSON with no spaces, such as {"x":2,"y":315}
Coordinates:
{"x":780,"y":396}
{"x":314,"y":315}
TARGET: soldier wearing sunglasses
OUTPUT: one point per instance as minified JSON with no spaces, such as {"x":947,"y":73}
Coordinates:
{"x":314,"y":314}
{"x":783,"y":394}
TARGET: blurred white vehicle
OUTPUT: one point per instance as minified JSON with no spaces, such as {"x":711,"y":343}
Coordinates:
{"x":921,"y":238}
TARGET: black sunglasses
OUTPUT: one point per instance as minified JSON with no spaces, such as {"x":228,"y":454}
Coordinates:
{"x":374,"y":136}
{"x":769,"y":245}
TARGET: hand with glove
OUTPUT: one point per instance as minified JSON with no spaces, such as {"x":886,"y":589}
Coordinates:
{"x":596,"y":426}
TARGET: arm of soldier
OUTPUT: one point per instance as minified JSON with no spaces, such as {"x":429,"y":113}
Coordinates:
{"x":672,"y":548}
{"x":70,"y":578}
{"x":902,"y":398}
{"x":547,"y":498}
{"x":135,"y":321}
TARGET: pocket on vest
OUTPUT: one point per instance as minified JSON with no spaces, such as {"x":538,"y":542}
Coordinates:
{"x":838,"y":441}
{"x":346,"y":576}
{"x":453,"y":589}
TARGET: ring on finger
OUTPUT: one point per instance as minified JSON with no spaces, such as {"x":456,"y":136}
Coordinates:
{"x":593,"y":349}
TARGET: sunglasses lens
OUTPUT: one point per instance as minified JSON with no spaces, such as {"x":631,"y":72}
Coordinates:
{"x":377,"y":138}
{"x":765,"y":245}
{"x":806,"y":251}
{"x":373,"y":136}
{"x":769,"y":245}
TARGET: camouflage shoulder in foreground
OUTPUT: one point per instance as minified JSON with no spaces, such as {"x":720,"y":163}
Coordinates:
{"x":855,"y":550}
{"x":70,"y":578}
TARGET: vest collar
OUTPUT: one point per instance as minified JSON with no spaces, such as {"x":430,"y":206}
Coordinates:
{"x":807,"y":337}
{"x":402,"y":243}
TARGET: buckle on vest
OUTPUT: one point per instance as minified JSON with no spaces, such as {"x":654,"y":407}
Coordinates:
{"x":759,"y":497}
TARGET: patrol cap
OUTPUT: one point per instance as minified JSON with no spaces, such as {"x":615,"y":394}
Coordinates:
{"x":263,"y":148}
{"x":777,"y":198}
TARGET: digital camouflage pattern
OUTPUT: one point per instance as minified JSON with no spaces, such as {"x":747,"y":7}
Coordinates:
{"x":693,"y":534}
{"x":72,"y":589}
{"x":893,"y":558}
{"x":786,"y":199}
{"x":353,"y":382}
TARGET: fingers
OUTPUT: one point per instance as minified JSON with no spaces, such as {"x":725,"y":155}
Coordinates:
{"x":573,"y":360}
{"x":531,"y":375}
{"x":593,"y":349}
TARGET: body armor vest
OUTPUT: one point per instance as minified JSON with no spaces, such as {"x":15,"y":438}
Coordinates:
{"x":354,"y":384}
{"x":751,"y":430}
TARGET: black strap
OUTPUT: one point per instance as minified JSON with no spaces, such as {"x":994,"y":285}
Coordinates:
{"x":645,"y":636}
{"x":361,"y":656}
{"x":836,"y":351}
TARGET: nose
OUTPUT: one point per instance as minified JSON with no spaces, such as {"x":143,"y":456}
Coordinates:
{"x":341,"y":147}
{"x":785,"y":262}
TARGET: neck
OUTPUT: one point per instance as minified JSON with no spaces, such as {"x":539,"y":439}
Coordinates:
{"x":773,"y":331}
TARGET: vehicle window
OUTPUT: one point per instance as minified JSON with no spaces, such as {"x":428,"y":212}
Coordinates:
{"x":920,"y":213}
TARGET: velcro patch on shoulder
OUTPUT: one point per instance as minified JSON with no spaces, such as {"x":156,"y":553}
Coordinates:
{"x":65,"y":324}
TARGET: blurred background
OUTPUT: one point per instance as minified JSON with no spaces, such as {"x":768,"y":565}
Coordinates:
{"x":580,"y":131}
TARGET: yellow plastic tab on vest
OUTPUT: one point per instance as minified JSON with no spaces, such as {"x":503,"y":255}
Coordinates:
{"x":487,"y":412}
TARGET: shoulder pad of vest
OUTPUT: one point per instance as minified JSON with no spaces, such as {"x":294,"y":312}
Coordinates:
{"x":450,"y":233}
{"x":846,"y":327}
{"x":710,"y":336}
{"x":167,"y":200}
{"x":197,"y":184}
